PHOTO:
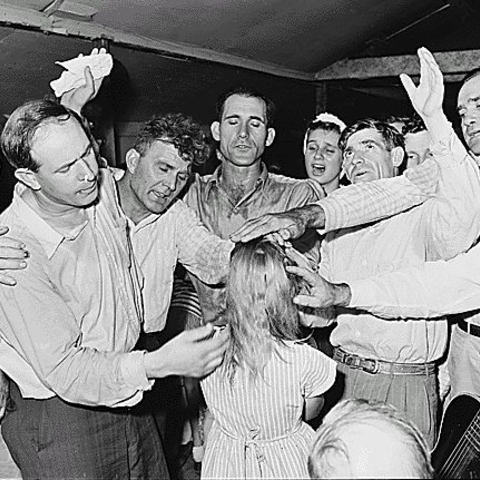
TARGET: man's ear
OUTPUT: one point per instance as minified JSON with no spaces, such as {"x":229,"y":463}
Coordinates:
{"x":28,"y":178}
{"x":270,"y":137}
{"x":398,"y":154}
{"x":132,"y":158}
{"x":215,"y":129}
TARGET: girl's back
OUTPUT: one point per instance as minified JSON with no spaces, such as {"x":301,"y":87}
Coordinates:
{"x":258,"y":430}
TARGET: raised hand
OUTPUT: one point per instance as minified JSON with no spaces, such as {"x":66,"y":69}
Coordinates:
{"x":13,"y":255}
{"x":427,"y":97}
{"x":286,"y":226}
{"x":77,"y":98}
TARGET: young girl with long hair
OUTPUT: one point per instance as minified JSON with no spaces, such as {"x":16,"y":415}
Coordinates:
{"x":269,"y":377}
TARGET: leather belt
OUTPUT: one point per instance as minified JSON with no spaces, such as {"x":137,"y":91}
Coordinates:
{"x":380,"y":366}
{"x":468,"y":327}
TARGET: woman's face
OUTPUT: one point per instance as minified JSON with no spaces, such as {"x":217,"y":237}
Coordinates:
{"x":323,"y":157}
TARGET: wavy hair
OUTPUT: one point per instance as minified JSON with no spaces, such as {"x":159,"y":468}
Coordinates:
{"x":181,"y":131}
{"x":260,"y":309}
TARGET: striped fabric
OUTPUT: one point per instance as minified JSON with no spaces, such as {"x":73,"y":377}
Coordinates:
{"x":258,"y":430}
{"x":184,"y":296}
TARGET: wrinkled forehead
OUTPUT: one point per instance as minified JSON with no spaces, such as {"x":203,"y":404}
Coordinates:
{"x":364,"y":136}
{"x":164,"y":151}
{"x":244,"y":106}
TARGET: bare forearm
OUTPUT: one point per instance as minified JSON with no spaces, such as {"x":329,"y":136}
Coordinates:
{"x":313,"y":216}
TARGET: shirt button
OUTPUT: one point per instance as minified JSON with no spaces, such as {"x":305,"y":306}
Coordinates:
{"x":235,"y":210}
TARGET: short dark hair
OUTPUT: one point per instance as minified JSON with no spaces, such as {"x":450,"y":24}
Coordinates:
{"x":414,"y":125}
{"x":250,"y":92}
{"x":471,"y":74}
{"x":329,"y":445}
{"x":391,"y":136}
{"x":23,"y":123}
{"x":391,"y":119}
{"x":181,"y":131}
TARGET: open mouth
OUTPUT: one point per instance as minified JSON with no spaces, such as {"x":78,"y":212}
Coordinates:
{"x":360,"y":175}
{"x":318,"y":169}
{"x":473,"y":134}
{"x":159,"y":196}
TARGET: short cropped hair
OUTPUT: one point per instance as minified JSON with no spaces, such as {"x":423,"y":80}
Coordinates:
{"x":329,"y":444}
{"x":391,"y":119}
{"x":390,"y":135}
{"x":249,"y":92}
{"x":181,"y":131}
{"x":23,"y":123}
{"x":471,"y":74}
{"x":414,"y":125}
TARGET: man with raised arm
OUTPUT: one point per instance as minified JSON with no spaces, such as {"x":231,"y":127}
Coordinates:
{"x":395,"y":361}
{"x":69,"y":325}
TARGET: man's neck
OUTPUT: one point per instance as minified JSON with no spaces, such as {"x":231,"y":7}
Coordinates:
{"x":62,"y":218}
{"x":239,"y":180}
{"x":129,"y":202}
{"x":331,"y":186}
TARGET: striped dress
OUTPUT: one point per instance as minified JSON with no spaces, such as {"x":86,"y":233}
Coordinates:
{"x":258,"y":430}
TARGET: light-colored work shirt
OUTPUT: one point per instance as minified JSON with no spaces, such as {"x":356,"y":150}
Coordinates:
{"x":160,"y":241}
{"x":223,"y":215}
{"x":445,"y":225}
{"x":425,"y":291}
{"x":70,"y":323}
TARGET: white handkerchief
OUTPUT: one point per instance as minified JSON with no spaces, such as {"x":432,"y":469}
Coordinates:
{"x":100,"y":66}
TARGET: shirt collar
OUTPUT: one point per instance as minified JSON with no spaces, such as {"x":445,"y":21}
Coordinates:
{"x":48,"y":237}
{"x":216,"y":178}
{"x":118,"y":174}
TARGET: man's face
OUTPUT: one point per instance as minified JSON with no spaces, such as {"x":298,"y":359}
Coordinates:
{"x":468,"y":107}
{"x":366,"y":157}
{"x":242,"y":131}
{"x":417,"y":147}
{"x":323,"y":157}
{"x":157,"y":177}
{"x":68,"y":166}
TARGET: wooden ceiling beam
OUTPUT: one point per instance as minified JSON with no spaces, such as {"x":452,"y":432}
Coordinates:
{"x":453,"y":64}
{"x":27,"y":18}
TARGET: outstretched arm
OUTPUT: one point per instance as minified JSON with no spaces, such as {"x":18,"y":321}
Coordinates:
{"x":192,"y":353}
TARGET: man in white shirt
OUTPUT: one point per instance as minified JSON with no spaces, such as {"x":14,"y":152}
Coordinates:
{"x":392,"y":362}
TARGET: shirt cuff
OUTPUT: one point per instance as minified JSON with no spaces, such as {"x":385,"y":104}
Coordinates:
{"x":132,"y":368}
{"x":361,"y":293}
{"x":449,"y":148}
{"x":332,"y":209}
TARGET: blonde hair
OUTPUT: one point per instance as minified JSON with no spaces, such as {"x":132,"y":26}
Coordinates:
{"x":260,"y":309}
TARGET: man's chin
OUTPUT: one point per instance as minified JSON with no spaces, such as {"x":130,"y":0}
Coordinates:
{"x":474,"y":146}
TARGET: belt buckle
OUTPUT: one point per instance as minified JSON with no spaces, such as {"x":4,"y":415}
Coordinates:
{"x":370,"y":366}
{"x":350,"y":361}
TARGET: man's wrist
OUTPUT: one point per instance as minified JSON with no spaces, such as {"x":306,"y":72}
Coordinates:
{"x":153,"y":367}
{"x":342,"y":294}
{"x":313,"y":216}
{"x":438,"y":127}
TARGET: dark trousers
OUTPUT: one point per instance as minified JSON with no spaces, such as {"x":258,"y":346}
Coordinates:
{"x":164,"y":401}
{"x":54,"y":439}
